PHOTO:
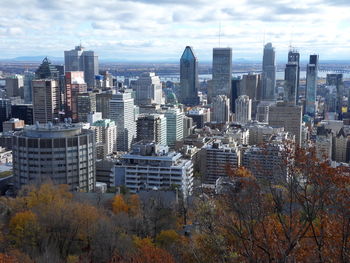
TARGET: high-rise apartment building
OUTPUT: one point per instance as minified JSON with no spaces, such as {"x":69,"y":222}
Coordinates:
{"x":243,"y":109}
{"x":267,"y":163}
{"x":102,"y":103}
{"x":189,"y":78}
{"x":64,"y":153}
{"x":215,"y":158}
{"x":80,"y":60}
{"x":152,"y":128}
{"x":148,"y":89}
{"x":86,"y":103}
{"x":221,"y":109}
{"x":222,"y":72}
{"x":174,"y":119}
{"x":75,"y":84}
{"x":311,"y":85}
{"x":106,"y":137}
{"x":14,"y":86}
{"x":269,"y":73}
{"x":287,"y":116}
{"x":45,"y":100}
{"x":121,"y":111}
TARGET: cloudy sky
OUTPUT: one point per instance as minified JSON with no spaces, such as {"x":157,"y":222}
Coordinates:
{"x":154,"y":30}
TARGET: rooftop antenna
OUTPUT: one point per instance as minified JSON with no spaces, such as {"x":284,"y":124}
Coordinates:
{"x":291,"y":39}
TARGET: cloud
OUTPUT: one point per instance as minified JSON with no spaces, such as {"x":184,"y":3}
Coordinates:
{"x":162,"y":28}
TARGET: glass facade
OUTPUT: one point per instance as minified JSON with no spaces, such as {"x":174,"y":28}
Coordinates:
{"x":189,"y":78}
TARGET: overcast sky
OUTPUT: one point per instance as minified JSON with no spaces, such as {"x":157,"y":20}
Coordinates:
{"x":152,"y":30}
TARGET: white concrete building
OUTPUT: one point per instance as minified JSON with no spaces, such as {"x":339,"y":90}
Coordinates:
{"x":221,"y":109}
{"x":106,"y":137}
{"x":262,"y":111}
{"x":148,"y":89}
{"x":150,"y":166}
{"x":323,"y":147}
{"x":121,"y":108}
{"x":243,"y":109}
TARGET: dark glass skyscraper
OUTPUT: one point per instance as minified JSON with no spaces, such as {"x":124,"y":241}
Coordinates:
{"x":47,"y":71}
{"x":311,"y":85}
{"x":291,"y":82}
{"x":294,"y":56}
{"x":189,"y":78}
{"x":222,"y":72}
{"x":269,"y":73}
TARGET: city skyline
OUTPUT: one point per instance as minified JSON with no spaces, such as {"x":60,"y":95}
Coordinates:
{"x":146,"y":30}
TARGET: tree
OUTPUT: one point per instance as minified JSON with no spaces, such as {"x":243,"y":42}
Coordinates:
{"x":119,"y":205}
{"x":24,"y":230}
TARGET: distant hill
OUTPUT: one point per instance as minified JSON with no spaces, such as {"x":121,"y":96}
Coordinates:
{"x":36,"y":59}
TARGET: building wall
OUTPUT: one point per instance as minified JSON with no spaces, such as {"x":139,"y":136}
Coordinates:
{"x":45,"y":100}
{"x":64,"y":159}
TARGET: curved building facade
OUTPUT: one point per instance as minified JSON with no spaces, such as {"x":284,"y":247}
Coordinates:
{"x":64,"y":153}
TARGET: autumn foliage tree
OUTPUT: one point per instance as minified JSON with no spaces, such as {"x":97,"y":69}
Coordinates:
{"x":302,"y":219}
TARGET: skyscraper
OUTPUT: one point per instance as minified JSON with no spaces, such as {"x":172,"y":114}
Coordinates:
{"x":5,"y":111}
{"x":222,"y":72}
{"x":189,"y":78}
{"x":291,"y":82}
{"x":121,"y":108}
{"x":294,"y":56}
{"x":287,"y":116}
{"x":337,"y":81}
{"x":80,"y":60}
{"x":269,"y":73}
{"x":45,"y":100}
{"x":47,"y":71}
{"x":175,"y":124}
{"x":106,"y":137}
{"x":86,"y":103}
{"x":102,"y":104}
{"x":75,"y":84}
{"x":250,"y":86}
{"x":221,"y":109}
{"x":148,"y":89}
{"x":243,"y":109}
{"x":14,"y":86}
{"x":27,"y":86}
{"x":311,"y":85}
{"x":235,"y":91}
